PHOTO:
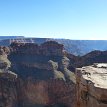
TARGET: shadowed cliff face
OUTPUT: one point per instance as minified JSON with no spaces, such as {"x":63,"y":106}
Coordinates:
{"x":34,"y":75}
{"x":39,"y":62}
{"x":8,"y":80}
{"x":40,"y":77}
{"x":88,"y":59}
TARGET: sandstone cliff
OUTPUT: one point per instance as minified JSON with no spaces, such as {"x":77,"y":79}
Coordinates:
{"x":33,"y":75}
{"x":91,"y":86}
{"x":36,"y":76}
{"x":8,"y":79}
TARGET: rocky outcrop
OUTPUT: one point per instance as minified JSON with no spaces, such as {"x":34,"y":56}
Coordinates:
{"x":92,"y":57}
{"x":47,"y":48}
{"x":88,"y":59}
{"x":34,"y":75}
{"x":91,"y":86}
{"x":8,"y":80}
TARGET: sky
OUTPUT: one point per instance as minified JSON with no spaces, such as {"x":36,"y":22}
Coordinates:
{"x":70,"y":19}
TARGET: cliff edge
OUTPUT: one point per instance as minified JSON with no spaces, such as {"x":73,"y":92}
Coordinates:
{"x":91,"y":86}
{"x":34,"y":75}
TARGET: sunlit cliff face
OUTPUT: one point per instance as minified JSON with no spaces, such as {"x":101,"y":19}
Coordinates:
{"x":91,"y":87}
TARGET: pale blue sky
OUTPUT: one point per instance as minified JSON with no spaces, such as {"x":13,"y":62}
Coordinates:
{"x":72,"y":19}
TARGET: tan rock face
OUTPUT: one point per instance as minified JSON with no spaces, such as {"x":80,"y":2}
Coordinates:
{"x":47,"y":93}
{"x":91,"y":87}
{"x":4,"y":50}
{"x":39,"y":77}
{"x":8,"y":81}
{"x":8,"y":92}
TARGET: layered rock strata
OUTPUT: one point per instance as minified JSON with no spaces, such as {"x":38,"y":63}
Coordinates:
{"x":36,"y":76}
{"x":8,"y":80}
{"x":91,"y":86}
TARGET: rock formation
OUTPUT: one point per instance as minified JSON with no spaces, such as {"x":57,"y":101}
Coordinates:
{"x":88,"y":59}
{"x":33,"y":75}
{"x":36,"y":76}
{"x":8,"y":79}
{"x":91,"y":86}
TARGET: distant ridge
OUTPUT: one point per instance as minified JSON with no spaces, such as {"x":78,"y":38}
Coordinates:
{"x":10,"y":37}
{"x":76,"y":47}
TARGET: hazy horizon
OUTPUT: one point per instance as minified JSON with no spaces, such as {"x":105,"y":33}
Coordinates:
{"x":51,"y":37}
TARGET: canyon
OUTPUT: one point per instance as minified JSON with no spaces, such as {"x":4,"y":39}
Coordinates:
{"x":36,"y":76}
{"x":46,"y":75}
{"x":76,"y":47}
